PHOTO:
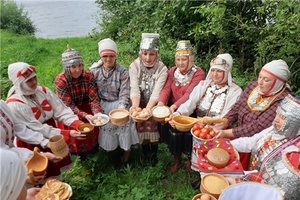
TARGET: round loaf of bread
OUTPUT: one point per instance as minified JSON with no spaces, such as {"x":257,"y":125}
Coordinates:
{"x":218,"y":157}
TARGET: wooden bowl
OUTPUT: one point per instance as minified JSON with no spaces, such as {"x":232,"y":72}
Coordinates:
{"x":159,"y":113}
{"x":198,"y":197}
{"x":183,"y":123}
{"x":37,"y":164}
{"x":119,"y":116}
{"x":139,"y":119}
{"x":88,"y":132}
{"x":213,"y":184}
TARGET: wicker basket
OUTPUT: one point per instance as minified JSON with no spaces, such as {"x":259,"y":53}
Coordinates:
{"x":119,"y":116}
{"x":160,"y":118}
{"x":198,"y":196}
{"x":213,"y":184}
{"x":59,"y":146}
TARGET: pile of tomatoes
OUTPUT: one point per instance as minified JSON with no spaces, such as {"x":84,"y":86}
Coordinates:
{"x":203,"y":132}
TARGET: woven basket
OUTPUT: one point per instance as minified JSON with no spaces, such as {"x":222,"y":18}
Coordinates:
{"x":213,"y":184}
{"x":119,"y":116}
{"x":59,"y":146}
{"x":161,"y":118}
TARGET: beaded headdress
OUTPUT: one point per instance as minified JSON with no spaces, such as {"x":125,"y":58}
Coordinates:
{"x":290,"y":109}
{"x":71,"y":57}
{"x":150,"y":41}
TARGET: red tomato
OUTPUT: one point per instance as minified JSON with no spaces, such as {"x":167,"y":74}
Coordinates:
{"x":212,"y":133}
{"x":197,"y":133}
{"x":208,"y":136}
{"x":203,"y":135}
{"x":201,"y":126}
{"x":196,"y":127}
{"x":205,"y":130}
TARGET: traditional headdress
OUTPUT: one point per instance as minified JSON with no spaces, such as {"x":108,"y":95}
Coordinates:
{"x":19,"y":73}
{"x":184,"y":48}
{"x":280,"y":71}
{"x":150,"y":41}
{"x":71,"y":57}
{"x":107,"y":47}
{"x":223,"y":62}
{"x":13,"y":175}
{"x":290,"y":109}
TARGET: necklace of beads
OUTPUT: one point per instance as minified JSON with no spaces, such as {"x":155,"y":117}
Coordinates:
{"x":182,"y":80}
{"x":214,"y":99}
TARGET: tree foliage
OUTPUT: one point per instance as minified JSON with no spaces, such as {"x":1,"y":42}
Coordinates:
{"x":15,"y":19}
{"x":253,"y":32}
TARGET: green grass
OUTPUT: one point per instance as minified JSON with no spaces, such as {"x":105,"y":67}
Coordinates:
{"x":97,"y":178}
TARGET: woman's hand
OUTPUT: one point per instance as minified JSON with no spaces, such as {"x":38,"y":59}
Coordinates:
{"x":173,"y":108}
{"x":31,"y":192}
{"x":53,"y":158}
{"x":89,"y":117}
{"x":35,"y":180}
{"x":77,"y":135}
{"x":132,"y":108}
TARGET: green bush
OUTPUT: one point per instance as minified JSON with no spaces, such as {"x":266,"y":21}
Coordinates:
{"x":253,"y":32}
{"x":15,"y":19}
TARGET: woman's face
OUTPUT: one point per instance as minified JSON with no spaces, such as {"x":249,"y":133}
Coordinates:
{"x":32,"y":83}
{"x":279,"y":121}
{"x":217,"y":76}
{"x":182,"y":62}
{"x":76,"y":70}
{"x":149,"y":57}
{"x":109,"y":61}
{"x":265,"y":82}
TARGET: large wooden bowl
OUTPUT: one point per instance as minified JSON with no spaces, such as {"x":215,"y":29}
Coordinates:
{"x":160,"y":117}
{"x":119,"y":116}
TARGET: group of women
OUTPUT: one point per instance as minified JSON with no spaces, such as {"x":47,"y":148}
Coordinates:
{"x":36,"y":114}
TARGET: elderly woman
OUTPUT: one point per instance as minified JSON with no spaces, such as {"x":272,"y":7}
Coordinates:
{"x":212,"y":97}
{"x":180,"y":83}
{"x":77,"y":88}
{"x":112,"y":81}
{"x":37,"y":107}
{"x":257,"y":106}
{"x":182,"y":78}
{"x":147,"y":77}
{"x":273,"y":151}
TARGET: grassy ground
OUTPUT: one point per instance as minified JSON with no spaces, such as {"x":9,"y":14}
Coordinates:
{"x":97,"y":177}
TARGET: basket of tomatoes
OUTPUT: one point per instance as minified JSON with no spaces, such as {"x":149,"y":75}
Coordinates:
{"x":202,"y":132}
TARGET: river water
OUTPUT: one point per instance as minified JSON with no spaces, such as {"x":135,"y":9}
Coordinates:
{"x":62,"y":18}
